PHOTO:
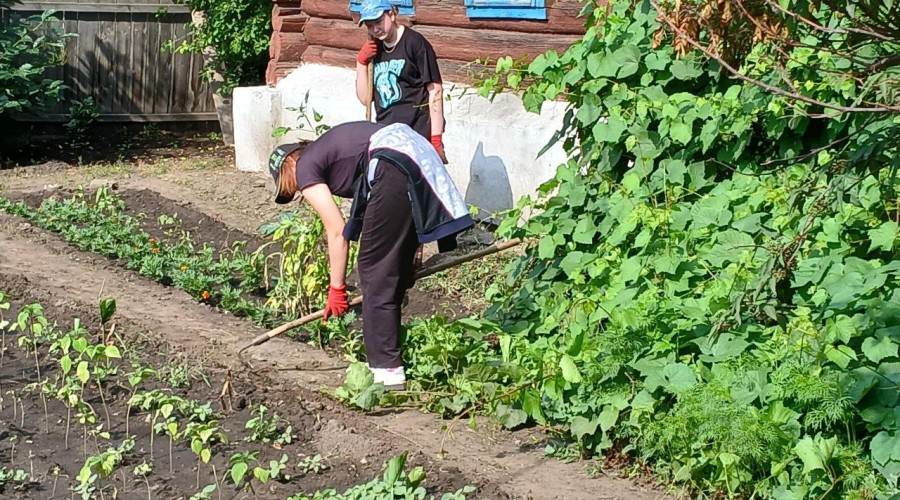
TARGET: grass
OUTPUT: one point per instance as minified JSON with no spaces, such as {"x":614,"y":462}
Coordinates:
{"x":467,"y":283}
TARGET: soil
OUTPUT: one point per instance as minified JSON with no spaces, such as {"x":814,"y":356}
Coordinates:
{"x":165,"y":324}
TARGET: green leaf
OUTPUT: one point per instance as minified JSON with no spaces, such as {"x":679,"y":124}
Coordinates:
{"x":810,"y":454}
{"x":205,"y":455}
{"x":546,"y":247}
{"x":107,"y":309}
{"x":571,"y":263}
{"x":885,"y":448}
{"x":112,"y":351}
{"x":628,"y":60}
{"x":681,"y":132}
{"x":65,"y":363}
{"x":569,"y":370}
{"x":685,"y":69}
{"x":581,"y":427}
{"x":609,"y":130}
{"x":82,"y":372}
{"x":510,"y":417}
{"x":608,"y":417}
{"x":879,"y":349}
{"x":369,"y":397}
{"x":585,"y":231}
{"x":395,"y":468}
{"x":840,"y":355}
{"x":678,"y":377}
{"x":238,"y":471}
{"x":600,"y":65}
{"x":883,"y":236}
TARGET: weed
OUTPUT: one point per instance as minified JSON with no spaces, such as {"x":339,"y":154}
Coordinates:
{"x":312,"y":464}
{"x":83,"y":113}
{"x":395,"y":483}
{"x":101,"y":467}
{"x":17,"y":478}
{"x":205,"y":493}
{"x":241,"y":463}
{"x":265,"y":429}
{"x":303,"y":120}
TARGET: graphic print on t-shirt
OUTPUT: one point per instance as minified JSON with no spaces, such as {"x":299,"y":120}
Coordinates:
{"x":387,"y":76}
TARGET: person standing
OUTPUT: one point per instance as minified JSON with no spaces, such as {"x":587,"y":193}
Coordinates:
{"x":407,"y":81}
{"x":403,"y":196}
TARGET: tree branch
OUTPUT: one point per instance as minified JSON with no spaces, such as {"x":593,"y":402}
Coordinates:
{"x":771,"y":88}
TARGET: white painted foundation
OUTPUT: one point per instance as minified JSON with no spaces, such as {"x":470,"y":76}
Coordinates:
{"x":492,"y":147}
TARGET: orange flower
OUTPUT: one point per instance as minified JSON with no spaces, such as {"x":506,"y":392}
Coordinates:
{"x":152,"y":241}
{"x":154,"y":250}
{"x":204,"y":295}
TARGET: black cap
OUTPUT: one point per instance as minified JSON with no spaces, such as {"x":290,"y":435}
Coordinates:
{"x":276,"y":159}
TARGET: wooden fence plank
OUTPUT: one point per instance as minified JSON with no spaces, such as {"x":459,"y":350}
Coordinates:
{"x":116,"y":58}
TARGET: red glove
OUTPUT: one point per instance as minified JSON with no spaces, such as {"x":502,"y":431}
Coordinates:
{"x":337,"y":303}
{"x":438,"y":144}
{"x":367,"y":52}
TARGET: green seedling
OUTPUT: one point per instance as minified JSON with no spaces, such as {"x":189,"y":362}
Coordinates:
{"x":4,"y":324}
{"x":248,"y":461}
{"x":312,"y":464}
{"x":265,"y":429}
{"x":202,"y":435}
{"x":17,"y":478}
{"x":143,"y":470}
{"x":205,"y":493}
{"x":101,"y":467}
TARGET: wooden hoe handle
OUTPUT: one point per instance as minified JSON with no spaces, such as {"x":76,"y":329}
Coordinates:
{"x":496,"y":247}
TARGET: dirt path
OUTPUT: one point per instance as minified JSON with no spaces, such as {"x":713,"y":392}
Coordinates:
{"x":511,"y":462}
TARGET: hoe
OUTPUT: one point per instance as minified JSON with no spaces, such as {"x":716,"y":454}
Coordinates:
{"x":497,"y":247}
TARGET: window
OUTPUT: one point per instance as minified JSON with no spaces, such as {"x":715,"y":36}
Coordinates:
{"x":506,"y":9}
{"x":404,"y":7}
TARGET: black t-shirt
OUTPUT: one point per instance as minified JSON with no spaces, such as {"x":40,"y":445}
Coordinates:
{"x":401,"y":79}
{"x":336,"y":158}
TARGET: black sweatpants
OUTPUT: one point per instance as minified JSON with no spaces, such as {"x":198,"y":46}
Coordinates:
{"x":387,"y":248}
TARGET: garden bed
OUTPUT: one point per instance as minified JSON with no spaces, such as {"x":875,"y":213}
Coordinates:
{"x":51,"y":447}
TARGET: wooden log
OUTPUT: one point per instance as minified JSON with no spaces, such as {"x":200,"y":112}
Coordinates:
{"x":561,"y":18}
{"x":451,"y":70}
{"x":331,"y":9}
{"x":275,"y":71}
{"x":283,"y":10}
{"x":460,"y":44}
{"x":287,"y":46}
{"x":326,"y":9}
{"x":290,"y":24}
{"x":336,"y":33}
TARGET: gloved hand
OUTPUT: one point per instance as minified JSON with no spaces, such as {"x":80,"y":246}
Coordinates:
{"x":337,"y":303}
{"x":367,"y":52}
{"x":438,"y":144}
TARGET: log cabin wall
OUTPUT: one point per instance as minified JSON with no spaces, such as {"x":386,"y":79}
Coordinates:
{"x":325,"y":32}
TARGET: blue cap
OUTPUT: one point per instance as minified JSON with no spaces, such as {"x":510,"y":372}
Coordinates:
{"x":371,"y":10}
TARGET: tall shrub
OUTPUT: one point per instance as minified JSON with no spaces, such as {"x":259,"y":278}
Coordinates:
{"x":28,"y":47}
{"x":234,"y":37}
{"x":715,"y":286}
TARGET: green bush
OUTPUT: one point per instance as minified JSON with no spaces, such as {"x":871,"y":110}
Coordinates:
{"x":234,"y":36}
{"x":714,"y":287}
{"x":28,"y":47}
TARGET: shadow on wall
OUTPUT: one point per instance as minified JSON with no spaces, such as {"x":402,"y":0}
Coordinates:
{"x":489,"y":187}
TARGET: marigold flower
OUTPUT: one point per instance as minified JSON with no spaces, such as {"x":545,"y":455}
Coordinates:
{"x":184,"y":267}
{"x":204,"y":295}
{"x":154,"y":250}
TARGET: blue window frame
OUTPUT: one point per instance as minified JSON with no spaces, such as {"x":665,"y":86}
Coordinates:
{"x":404,"y":7}
{"x":506,"y":9}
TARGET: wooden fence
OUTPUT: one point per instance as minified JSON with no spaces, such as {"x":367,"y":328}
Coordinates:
{"x":116,"y":59}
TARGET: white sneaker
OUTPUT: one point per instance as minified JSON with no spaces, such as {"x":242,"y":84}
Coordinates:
{"x":394,"y":379}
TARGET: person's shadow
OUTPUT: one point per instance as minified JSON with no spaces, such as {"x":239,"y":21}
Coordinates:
{"x":489,"y":189}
